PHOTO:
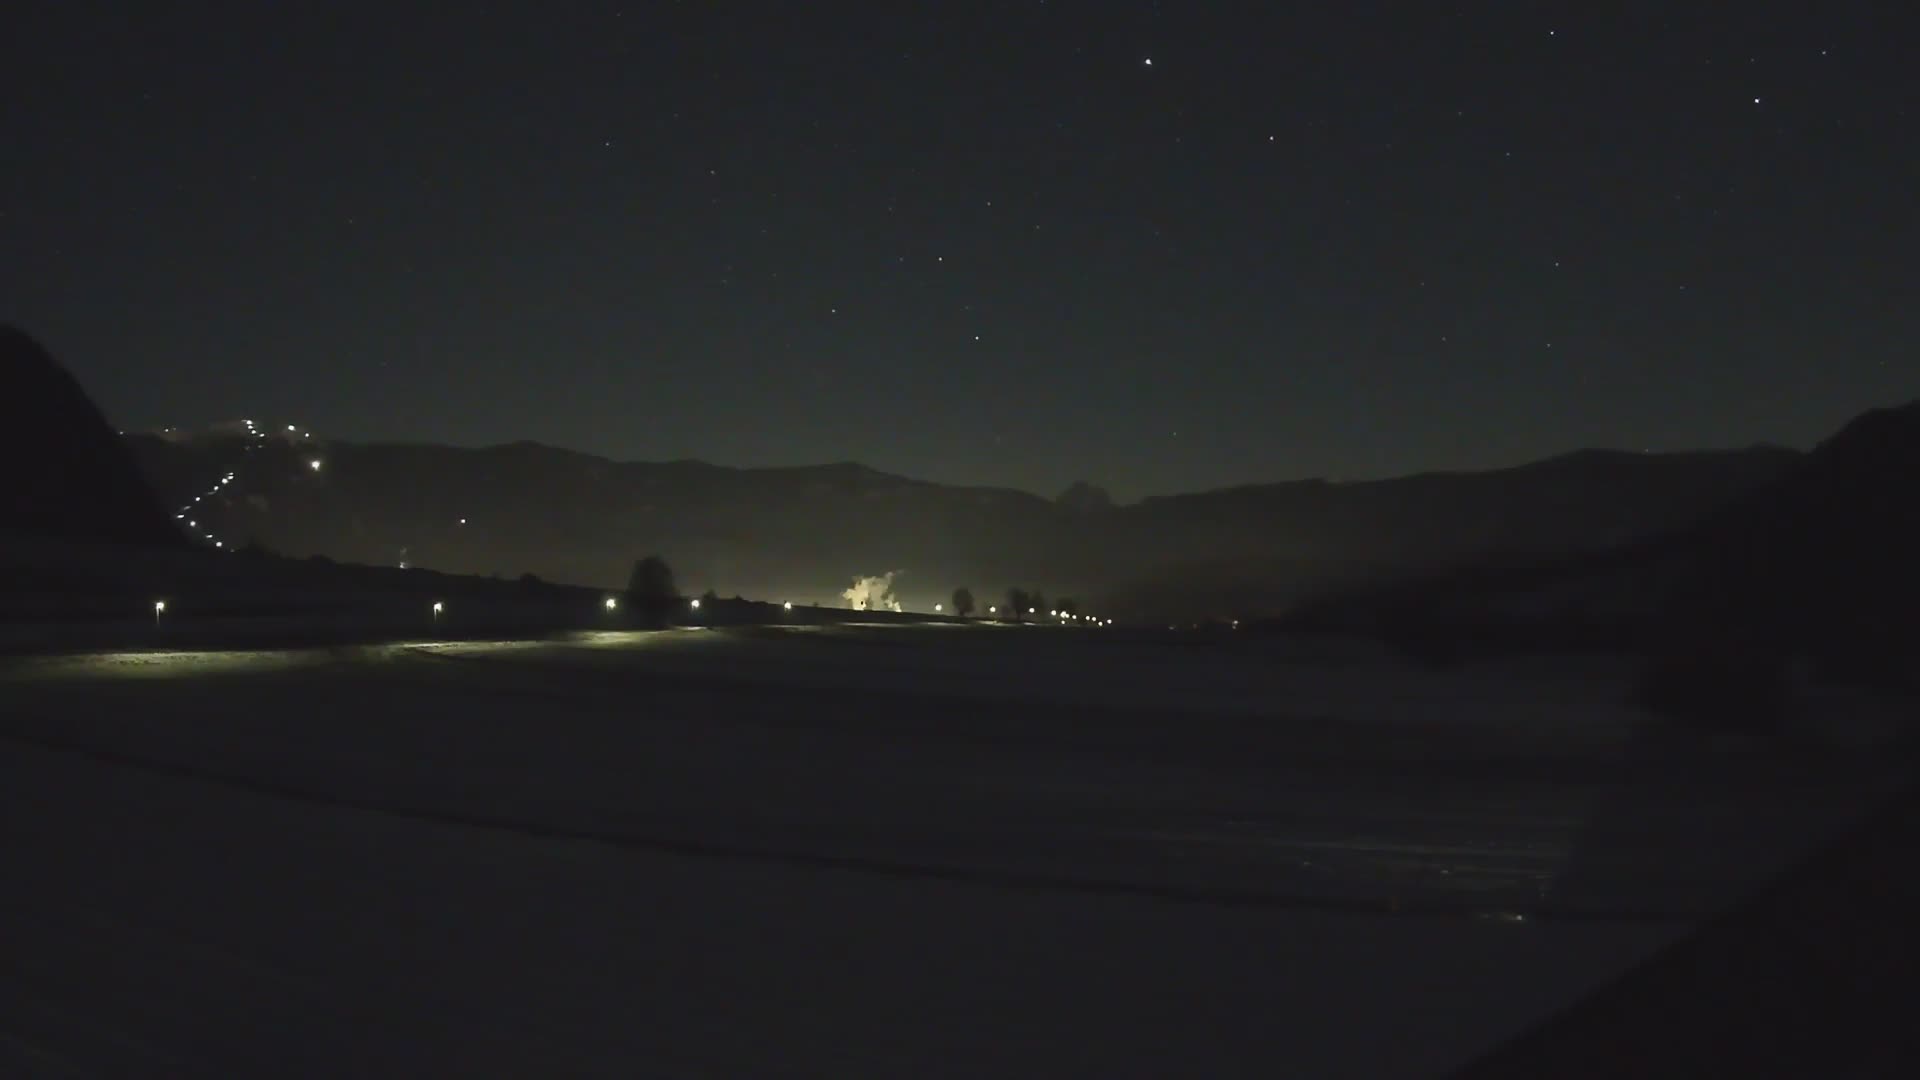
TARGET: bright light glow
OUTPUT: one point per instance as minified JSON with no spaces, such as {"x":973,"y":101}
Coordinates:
{"x":289,"y":427}
{"x":788,"y":605}
{"x":1029,"y":611}
{"x":993,"y":609}
{"x":219,"y":543}
{"x":612,"y":603}
{"x":463,"y":521}
{"x":696,"y":604}
{"x":314,"y":464}
{"x":936,"y":608}
{"x":159,"y":606}
{"x":1053,"y":614}
{"x":438,"y":607}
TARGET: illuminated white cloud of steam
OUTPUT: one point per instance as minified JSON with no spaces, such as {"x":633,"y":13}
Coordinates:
{"x":873,"y":593}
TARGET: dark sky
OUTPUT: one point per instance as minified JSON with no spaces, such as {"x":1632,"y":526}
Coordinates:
{"x":1161,"y":246}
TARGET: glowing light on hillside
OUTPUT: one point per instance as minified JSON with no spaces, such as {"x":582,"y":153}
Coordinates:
{"x":612,"y":603}
{"x":788,"y":605}
{"x":314,"y":464}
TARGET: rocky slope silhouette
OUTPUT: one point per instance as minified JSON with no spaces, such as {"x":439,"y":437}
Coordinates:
{"x":69,"y":475}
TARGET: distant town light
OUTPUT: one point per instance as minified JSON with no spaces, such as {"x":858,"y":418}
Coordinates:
{"x":696,"y":603}
{"x":289,"y":427}
{"x":159,"y":606}
{"x":936,"y":608}
{"x":788,"y":605}
{"x":993,"y":609}
{"x":314,"y":464}
{"x":612,"y":603}
{"x":438,"y":607}
{"x":1029,"y":611}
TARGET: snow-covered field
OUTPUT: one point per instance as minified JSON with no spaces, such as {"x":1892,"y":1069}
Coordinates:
{"x":874,"y":851}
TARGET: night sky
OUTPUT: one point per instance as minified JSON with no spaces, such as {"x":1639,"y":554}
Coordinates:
{"x":1159,"y":246}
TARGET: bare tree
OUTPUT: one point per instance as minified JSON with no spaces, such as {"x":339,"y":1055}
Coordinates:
{"x":651,"y":581}
{"x":650,"y":590}
{"x":1017,"y":604}
{"x":963,"y":601}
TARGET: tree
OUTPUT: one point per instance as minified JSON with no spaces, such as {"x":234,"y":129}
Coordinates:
{"x":650,"y":589}
{"x":1017,"y":604}
{"x":963,"y":601}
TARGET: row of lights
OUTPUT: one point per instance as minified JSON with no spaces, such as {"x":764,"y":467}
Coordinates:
{"x":994,"y":609}
{"x":612,"y":603}
{"x":256,"y":437}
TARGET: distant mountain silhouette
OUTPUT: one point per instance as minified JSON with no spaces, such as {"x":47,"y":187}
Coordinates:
{"x":802,"y":533}
{"x":1826,"y":561}
{"x":1818,"y":562}
{"x":68,"y":474}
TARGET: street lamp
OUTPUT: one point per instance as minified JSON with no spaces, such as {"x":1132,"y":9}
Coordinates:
{"x":612,"y":603}
{"x":695,"y":602}
{"x":993,"y":609}
{"x":159,"y":608}
{"x":438,"y":607}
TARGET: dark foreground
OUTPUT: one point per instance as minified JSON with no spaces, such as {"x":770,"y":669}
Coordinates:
{"x":851,"y":851}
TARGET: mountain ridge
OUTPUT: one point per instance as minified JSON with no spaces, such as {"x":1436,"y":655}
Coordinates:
{"x":802,"y":531}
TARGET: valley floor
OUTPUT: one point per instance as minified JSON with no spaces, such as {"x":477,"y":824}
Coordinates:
{"x":855,"y":851}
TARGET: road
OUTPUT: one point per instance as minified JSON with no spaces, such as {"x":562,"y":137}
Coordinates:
{"x":854,"y":852}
